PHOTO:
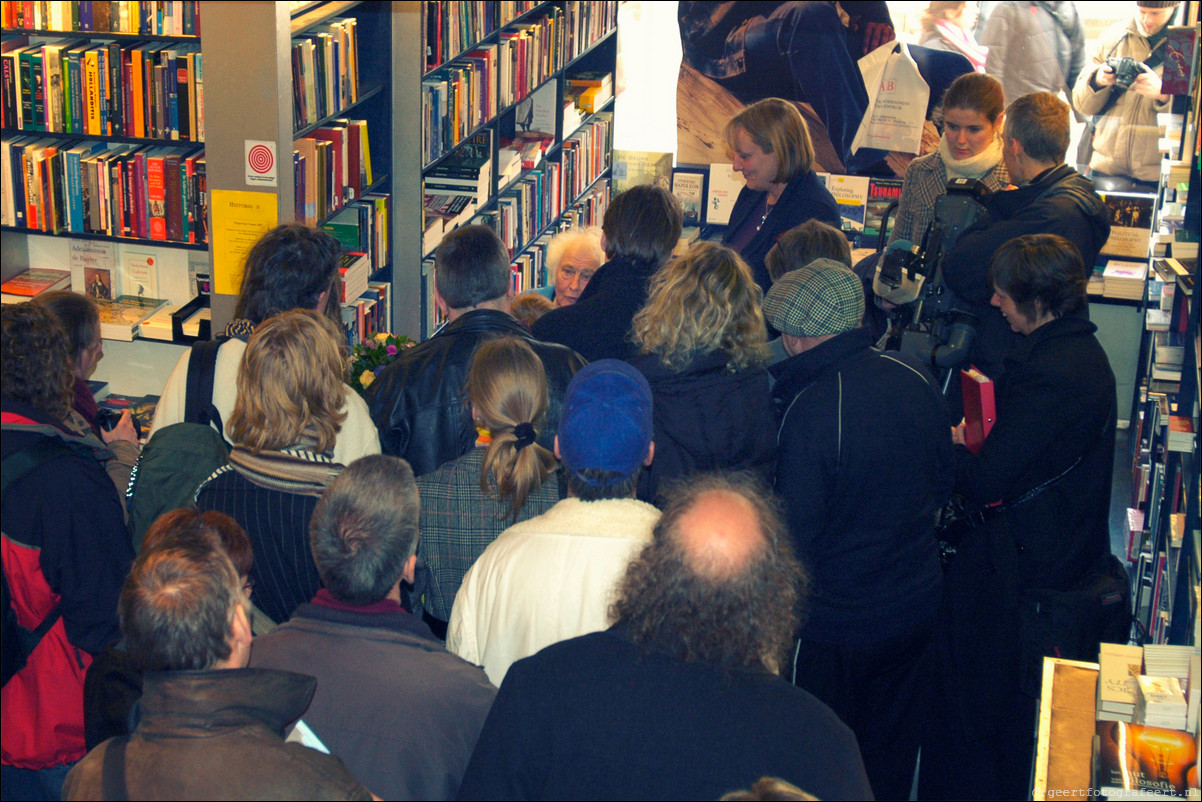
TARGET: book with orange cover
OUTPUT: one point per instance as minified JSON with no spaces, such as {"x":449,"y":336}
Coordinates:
{"x":980,"y":413}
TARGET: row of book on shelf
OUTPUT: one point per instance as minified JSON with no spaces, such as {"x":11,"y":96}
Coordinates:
{"x":1145,"y":741}
{"x":460,"y":96}
{"x":332,"y":166}
{"x":94,"y":187}
{"x":325,"y":71}
{"x":146,"y":90}
{"x":532,"y":192}
{"x":528,"y":270}
{"x":140,"y":17}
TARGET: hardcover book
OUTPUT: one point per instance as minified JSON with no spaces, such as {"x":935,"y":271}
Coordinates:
{"x":1130,"y":224}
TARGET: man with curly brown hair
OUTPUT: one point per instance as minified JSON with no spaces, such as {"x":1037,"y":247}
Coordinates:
{"x":680,"y":698}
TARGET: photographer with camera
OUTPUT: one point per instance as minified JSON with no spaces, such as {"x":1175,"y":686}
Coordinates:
{"x":1122,"y":93}
{"x":1050,"y":198}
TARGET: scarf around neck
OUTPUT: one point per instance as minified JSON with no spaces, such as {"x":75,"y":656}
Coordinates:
{"x":973,"y":166}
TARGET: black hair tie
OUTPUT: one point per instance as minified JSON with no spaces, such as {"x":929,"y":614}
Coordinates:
{"x":524,"y":432}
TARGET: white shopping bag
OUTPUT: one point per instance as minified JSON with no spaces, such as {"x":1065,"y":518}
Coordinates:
{"x":897,"y":101}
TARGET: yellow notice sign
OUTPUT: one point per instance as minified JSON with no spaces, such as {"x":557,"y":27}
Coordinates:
{"x":239,"y":219}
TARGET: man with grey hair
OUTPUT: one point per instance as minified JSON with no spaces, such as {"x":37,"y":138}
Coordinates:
{"x":210,"y":728}
{"x":401,"y":711}
{"x":646,"y":709}
{"x":417,"y":402}
{"x":864,"y":466}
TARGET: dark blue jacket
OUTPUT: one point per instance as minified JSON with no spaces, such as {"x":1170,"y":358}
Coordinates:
{"x":805,"y":198}
{"x":864,"y":462}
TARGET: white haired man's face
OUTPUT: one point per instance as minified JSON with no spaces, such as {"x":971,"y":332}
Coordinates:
{"x":576,"y":269}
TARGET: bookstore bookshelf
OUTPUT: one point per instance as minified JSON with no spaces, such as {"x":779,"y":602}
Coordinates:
{"x":516,"y":129}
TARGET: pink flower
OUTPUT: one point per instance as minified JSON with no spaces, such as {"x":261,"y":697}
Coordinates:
{"x":391,"y":350}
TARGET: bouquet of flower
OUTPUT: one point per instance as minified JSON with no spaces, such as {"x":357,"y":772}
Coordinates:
{"x":369,"y":357}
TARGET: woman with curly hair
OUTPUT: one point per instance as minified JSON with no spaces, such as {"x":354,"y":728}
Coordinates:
{"x":469,"y":501}
{"x":286,"y":419}
{"x":703,"y":347}
{"x":66,"y":552}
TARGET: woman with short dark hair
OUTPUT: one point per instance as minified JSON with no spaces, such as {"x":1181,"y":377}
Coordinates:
{"x":1042,"y":479}
{"x":290,"y":267}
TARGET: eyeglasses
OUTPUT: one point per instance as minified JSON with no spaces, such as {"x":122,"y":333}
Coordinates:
{"x":248,"y":587}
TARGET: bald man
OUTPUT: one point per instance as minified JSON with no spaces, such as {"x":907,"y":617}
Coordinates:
{"x":680,"y":697}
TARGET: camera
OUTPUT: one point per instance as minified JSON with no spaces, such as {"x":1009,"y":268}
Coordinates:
{"x":107,"y":420}
{"x":927,"y":320}
{"x":1126,"y":70}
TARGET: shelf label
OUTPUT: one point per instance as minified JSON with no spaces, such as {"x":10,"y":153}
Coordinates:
{"x":239,"y":219}
{"x":260,"y":163}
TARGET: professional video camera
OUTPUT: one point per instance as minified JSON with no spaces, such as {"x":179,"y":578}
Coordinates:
{"x":926,"y":319}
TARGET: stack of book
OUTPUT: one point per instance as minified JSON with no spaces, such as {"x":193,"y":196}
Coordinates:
{"x":1125,"y":279}
{"x":354,"y":272}
{"x":590,"y":91}
{"x":31,"y":283}
{"x":122,"y":318}
{"x":104,"y":88}
{"x":1118,"y":689}
{"x":1160,"y":702}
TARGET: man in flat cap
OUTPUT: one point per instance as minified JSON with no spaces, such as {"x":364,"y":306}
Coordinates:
{"x":865,"y":464}
{"x":553,"y":577}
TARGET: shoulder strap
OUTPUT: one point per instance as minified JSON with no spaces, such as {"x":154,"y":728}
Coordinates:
{"x":112,"y":772}
{"x":21,"y":462}
{"x":198,"y":399}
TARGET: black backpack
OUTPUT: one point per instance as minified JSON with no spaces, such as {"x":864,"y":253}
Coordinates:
{"x":17,"y":641}
{"x":180,"y":457}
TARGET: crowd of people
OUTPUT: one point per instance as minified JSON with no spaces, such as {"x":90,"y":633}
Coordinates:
{"x":674,"y":536}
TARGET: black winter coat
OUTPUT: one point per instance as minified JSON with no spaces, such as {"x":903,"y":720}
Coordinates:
{"x":598,"y":325}
{"x":708,"y":418}
{"x":417,"y":402}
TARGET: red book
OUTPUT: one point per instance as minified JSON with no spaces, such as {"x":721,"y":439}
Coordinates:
{"x":980,"y":413}
{"x":156,"y":194}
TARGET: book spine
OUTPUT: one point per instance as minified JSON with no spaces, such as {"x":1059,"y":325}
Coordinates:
{"x":198,"y":71}
{"x":79,"y":114}
{"x":171,"y":86}
{"x":156,"y":196}
{"x":184,"y":102}
{"x":91,"y":78}
{"x":172,"y":197}
{"x":74,"y":192}
{"x":10,"y":83}
{"x":116,"y":91}
{"x":39,"y":90}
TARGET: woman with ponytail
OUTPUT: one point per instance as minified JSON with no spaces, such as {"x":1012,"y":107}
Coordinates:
{"x":505,"y":479}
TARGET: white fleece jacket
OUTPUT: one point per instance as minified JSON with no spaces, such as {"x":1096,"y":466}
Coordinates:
{"x":545,"y":580}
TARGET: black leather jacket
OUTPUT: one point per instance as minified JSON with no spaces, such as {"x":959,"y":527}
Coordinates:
{"x":417,"y":402}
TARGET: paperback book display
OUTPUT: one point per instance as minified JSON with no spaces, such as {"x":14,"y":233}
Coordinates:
{"x":120,"y":318}
{"x":1133,"y":761}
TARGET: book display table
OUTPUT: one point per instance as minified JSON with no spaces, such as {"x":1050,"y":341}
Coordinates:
{"x":1064,"y":749}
